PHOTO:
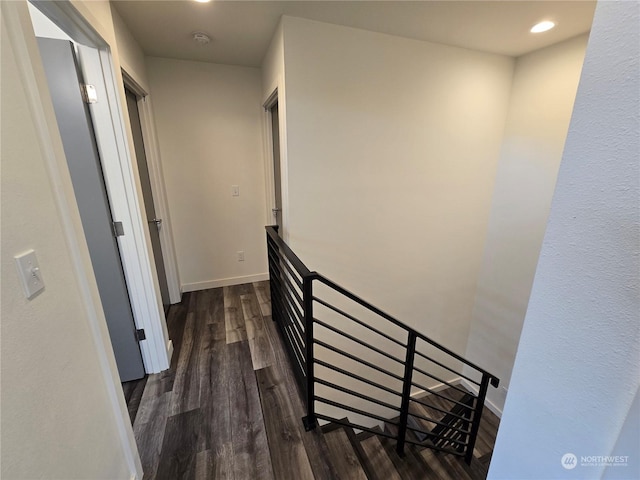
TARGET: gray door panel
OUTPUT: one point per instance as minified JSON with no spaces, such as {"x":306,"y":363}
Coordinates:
{"x":76,"y":130}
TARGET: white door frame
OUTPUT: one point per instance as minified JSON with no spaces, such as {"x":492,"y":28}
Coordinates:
{"x":24,"y":45}
{"x":121,"y":180}
{"x":276,"y":93}
{"x":156,"y":175}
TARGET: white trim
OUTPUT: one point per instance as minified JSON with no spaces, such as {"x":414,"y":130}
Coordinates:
{"x":279,"y":90}
{"x":154,"y":165}
{"x":267,"y":130}
{"x":23,"y":43}
{"x":465,"y":384}
{"x":224,"y":282}
{"x":436,"y":388}
{"x":487,"y":403}
{"x":123,"y":191}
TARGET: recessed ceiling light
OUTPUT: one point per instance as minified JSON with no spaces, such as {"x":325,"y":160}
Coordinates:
{"x":202,"y":1}
{"x":542,"y":26}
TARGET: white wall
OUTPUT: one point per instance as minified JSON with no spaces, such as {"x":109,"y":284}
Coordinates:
{"x":392,"y":150}
{"x":393,"y":145}
{"x":542,"y":96}
{"x":131,"y":55}
{"x":57,"y":419}
{"x":576,"y":371}
{"x":209,"y":123}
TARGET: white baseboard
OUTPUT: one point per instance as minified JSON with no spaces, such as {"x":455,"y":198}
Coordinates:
{"x":438,"y":387}
{"x":224,"y":282}
{"x":487,"y":403}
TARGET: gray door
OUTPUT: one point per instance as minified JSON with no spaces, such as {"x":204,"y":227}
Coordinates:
{"x":275,"y":133}
{"x":154,"y":223}
{"x":80,"y":148}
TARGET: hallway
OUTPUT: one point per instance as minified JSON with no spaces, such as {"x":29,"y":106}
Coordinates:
{"x":229,"y":407}
{"x":204,"y":417}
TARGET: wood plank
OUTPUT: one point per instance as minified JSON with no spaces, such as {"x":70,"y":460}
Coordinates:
{"x":259,"y":344}
{"x":149,"y":406}
{"x":186,"y":388}
{"x":283,"y":367}
{"x":204,"y":465}
{"x":149,"y":435}
{"x":183,"y":439}
{"x":235,"y":328}
{"x":216,"y":306}
{"x":263,"y":293}
{"x":215,"y":465}
{"x":432,"y":458}
{"x":251,"y":457}
{"x":344,"y":458}
{"x":216,"y":403}
{"x":314,"y":442}
{"x":411,"y":465}
{"x":133,"y":395}
{"x":288,"y":453}
{"x":455,"y":466}
{"x":380,"y":462}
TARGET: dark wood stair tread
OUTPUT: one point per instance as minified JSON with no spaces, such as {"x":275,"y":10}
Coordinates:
{"x":344,"y":457}
{"x":380,"y":462}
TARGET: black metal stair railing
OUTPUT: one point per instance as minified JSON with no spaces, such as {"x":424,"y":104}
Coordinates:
{"x":395,"y":366}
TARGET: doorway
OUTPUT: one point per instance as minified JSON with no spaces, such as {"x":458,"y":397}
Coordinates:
{"x":274,"y":113}
{"x":153,"y":222}
{"x":60,"y":20}
{"x":101,"y":231}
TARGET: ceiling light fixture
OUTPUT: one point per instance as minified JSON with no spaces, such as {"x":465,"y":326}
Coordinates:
{"x":542,"y":26}
{"x":201,"y":37}
{"x":202,"y":1}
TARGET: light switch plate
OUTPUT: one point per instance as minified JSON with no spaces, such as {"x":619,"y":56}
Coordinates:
{"x":235,"y":191}
{"x":29,"y":273}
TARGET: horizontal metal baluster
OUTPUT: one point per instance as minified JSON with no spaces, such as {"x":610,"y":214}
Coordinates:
{"x":357,"y":340}
{"x":356,"y":394}
{"x":357,"y":377}
{"x":359,"y":322}
{"x":356,"y":359}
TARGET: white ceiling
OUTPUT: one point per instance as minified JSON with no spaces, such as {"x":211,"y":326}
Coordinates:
{"x":241,"y":30}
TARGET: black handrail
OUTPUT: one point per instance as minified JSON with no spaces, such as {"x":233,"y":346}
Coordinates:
{"x":297,"y":330}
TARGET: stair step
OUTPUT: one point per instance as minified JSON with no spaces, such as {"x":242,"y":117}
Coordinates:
{"x":412,"y":465}
{"x":345,"y":459}
{"x":381,"y":464}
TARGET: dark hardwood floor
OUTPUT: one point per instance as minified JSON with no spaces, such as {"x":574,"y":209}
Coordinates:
{"x":133,"y":394}
{"x":229,"y":407}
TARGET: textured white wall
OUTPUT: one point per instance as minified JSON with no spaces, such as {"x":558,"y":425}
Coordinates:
{"x":209,"y":123}
{"x":131,"y":55}
{"x":542,"y":97}
{"x":393,"y":146}
{"x":392,"y":150}
{"x":577,"y":371}
{"x":56,"y":418}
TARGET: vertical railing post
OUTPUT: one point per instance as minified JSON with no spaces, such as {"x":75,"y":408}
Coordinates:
{"x":406,"y":392}
{"x":477,"y":415}
{"x":307,"y":298}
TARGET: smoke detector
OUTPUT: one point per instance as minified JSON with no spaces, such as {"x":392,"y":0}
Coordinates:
{"x":201,"y":37}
